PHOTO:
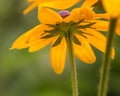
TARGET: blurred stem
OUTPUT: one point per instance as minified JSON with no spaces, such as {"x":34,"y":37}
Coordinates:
{"x":72,"y":63}
{"x":105,"y":68}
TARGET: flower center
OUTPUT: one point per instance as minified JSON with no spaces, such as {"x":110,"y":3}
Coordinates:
{"x":64,"y":13}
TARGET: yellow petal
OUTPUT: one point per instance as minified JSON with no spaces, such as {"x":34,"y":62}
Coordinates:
{"x":101,"y":25}
{"x":78,"y":14}
{"x":112,"y":7}
{"x":84,"y":51}
{"x":23,"y":41}
{"x":39,"y":44}
{"x":31,"y":7}
{"x":118,"y":27}
{"x":57,"y":4}
{"x":37,"y":34}
{"x":58,"y":56}
{"x":35,"y":41}
{"x":89,"y":3}
{"x":102,"y":16}
{"x":97,"y":40}
{"x":48,"y":16}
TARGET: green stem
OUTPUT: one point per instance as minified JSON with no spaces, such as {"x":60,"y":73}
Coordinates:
{"x":105,"y":68}
{"x":72,"y":64}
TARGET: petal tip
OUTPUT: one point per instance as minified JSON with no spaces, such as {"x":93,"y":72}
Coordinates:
{"x":91,"y":61}
{"x":58,"y":72}
{"x":25,"y":12}
{"x":11,"y":48}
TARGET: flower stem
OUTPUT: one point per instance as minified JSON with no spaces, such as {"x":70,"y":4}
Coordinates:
{"x":105,"y":67}
{"x":72,"y":64}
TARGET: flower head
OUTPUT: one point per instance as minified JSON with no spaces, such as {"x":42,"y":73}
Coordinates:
{"x":51,"y":3}
{"x":113,"y":11}
{"x":112,"y":7}
{"x":82,"y":23}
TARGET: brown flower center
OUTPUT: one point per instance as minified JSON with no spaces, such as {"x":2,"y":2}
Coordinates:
{"x":64,"y":13}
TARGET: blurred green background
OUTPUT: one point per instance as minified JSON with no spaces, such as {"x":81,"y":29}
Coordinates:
{"x":30,"y":74}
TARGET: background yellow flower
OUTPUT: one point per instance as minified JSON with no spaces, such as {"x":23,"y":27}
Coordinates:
{"x":51,"y":3}
{"x":112,"y":7}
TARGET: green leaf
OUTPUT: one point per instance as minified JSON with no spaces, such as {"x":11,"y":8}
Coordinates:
{"x":54,"y":31}
{"x":57,"y":41}
{"x":53,"y":26}
{"x":87,"y":25}
{"x":76,"y":41}
{"x":47,"y":31}
{"x":47,"y":36}
{"x":81,"y":33}
{"x":80,"y":21}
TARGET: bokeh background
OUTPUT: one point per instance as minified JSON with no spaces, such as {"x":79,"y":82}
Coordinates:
{"x":30,"y":74}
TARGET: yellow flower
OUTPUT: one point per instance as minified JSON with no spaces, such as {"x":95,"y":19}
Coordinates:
{"x":57,"y":4}
{"x":112,"y":7}
{"x":118,"y":27}
{"x":82,"y":23}
{"x":107,"y":17}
